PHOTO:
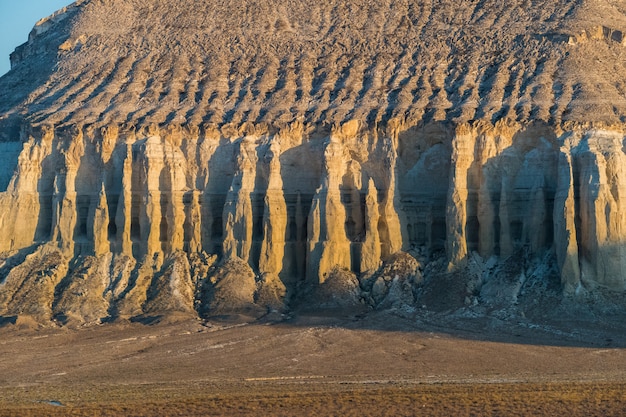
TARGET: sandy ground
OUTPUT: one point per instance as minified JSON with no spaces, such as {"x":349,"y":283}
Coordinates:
{"x":126,"y":362}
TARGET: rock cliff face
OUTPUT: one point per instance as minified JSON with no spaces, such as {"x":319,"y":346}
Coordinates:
{"x":196,"y":157}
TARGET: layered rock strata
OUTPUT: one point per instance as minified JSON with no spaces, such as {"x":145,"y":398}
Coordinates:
{"x":126,"y":213}
{"x":225,"y":173}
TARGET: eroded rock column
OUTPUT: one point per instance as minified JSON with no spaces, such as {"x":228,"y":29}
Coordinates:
{"x":328,"y":245}
{"x":238,"y":216}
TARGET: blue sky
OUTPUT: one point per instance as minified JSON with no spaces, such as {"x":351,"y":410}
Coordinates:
{"x":17,"y":18}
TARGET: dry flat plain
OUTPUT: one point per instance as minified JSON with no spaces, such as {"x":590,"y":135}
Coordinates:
{"x":367,"y":364}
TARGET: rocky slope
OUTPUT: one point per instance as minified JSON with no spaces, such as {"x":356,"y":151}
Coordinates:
{"x":201,"y":157}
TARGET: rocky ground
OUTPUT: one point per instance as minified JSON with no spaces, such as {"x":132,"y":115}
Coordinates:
{"x":332,"y":360}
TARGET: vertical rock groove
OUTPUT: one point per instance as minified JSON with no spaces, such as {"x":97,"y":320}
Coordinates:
{"x":193,"y":156}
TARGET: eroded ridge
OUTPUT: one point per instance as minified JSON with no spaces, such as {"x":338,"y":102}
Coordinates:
{"x":195,"y":157}
{"x":191,"y":62}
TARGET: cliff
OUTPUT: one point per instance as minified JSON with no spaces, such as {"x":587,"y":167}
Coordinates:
{"x":200,"y":157}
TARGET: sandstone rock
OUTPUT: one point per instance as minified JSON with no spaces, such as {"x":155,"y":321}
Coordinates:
{"x":321,"y":148}
{"x":275,"y":218}
{"x":328,"y":245}
{"x":238,"y":216}
{"x":371,"y":246}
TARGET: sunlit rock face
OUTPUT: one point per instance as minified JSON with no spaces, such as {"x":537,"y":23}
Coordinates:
{"x":184,"y":158}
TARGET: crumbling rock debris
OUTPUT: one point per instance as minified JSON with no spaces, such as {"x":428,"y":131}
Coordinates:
{"x":229,"y":288}
{"x":340,"y":289}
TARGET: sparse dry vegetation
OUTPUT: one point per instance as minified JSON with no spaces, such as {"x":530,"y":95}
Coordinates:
{"x":533,"y":399}
{"x":310,"y":365}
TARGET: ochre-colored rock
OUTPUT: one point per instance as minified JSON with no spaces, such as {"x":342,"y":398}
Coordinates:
{"x":209,"y":160}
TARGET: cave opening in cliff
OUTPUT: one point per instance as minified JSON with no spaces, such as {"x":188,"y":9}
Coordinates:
{"x":304,"y":230}
{"x":496,"y":236}
{"x":216,"y":203}
{"x":216,"y":229}
{"x":258,"y":228}
{"x":163,"y":230}
{"x":258,"y":206}
{"x":292,"y":229}
{"x":351,"y":229}
{"x":383,"y":232}
{"x":353,"y":203}
{"x":438,"y":234}
{"x":135,"y":226}
{"x":472,"y":232}
{"x":82,"y":209}
{"x":549,"y":220}
{"x":188,"y":226}
{"x":135,"y":230}
{"x":217,"y":233}
{"x":417,"y":234}
{"x":112,"y":202}
{"x":44,"y":226}
{"x":163,"y":226}
{"x":355,"y":257}
{"x":516,"y":227}
{"x":112,"y":229}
